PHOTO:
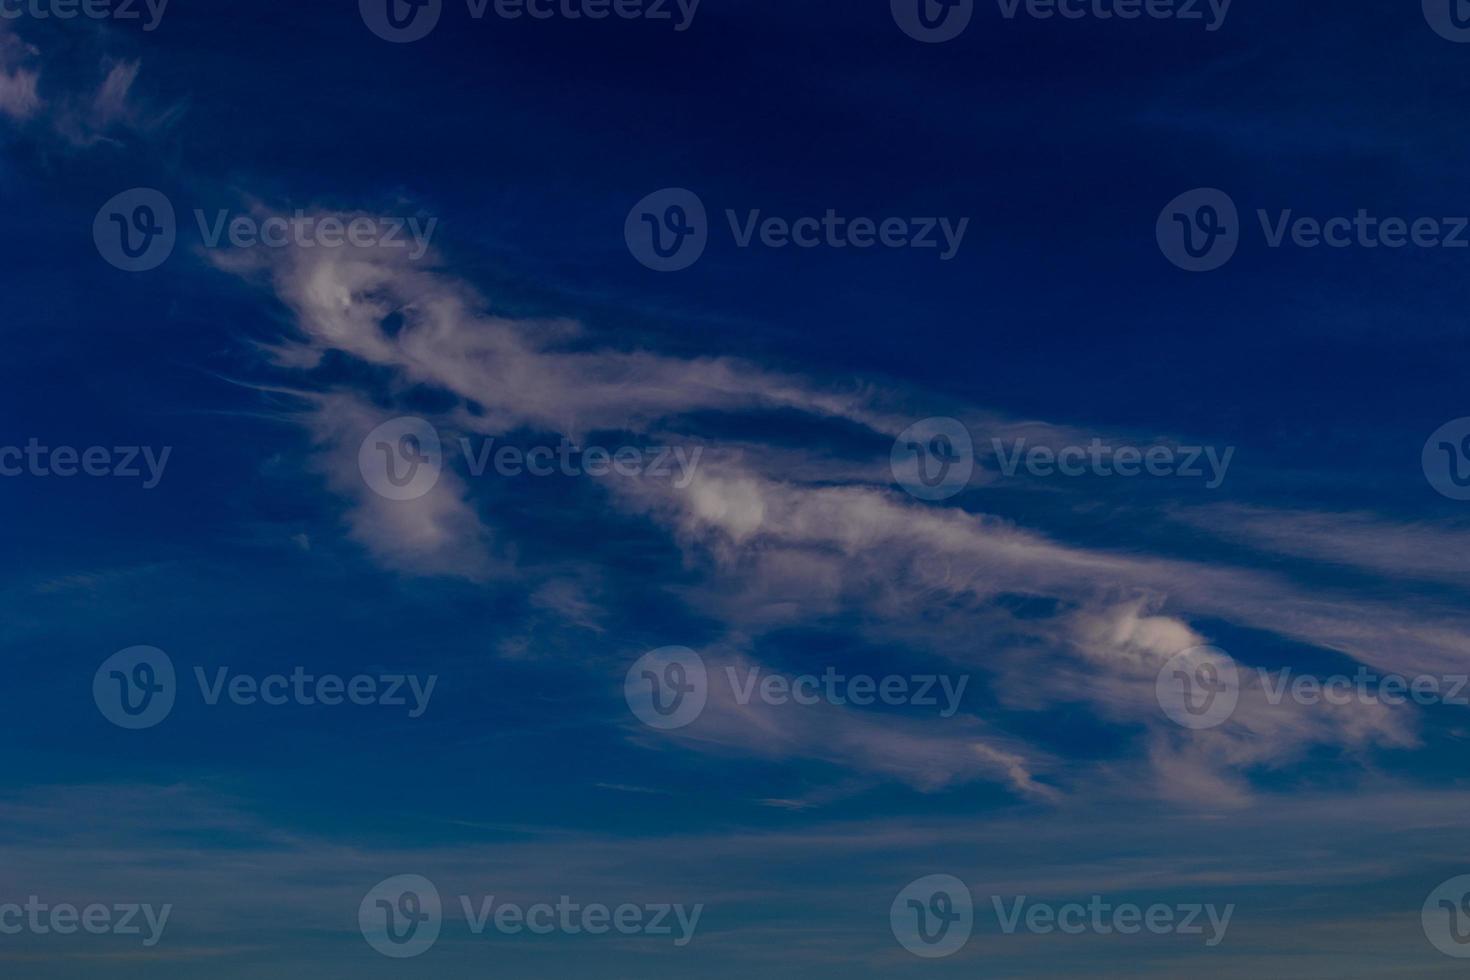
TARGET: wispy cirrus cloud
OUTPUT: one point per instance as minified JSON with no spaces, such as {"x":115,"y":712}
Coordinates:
{"x":779,"y":537}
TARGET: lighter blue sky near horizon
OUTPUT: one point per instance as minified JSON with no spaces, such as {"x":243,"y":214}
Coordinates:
{"x":785,"y":512}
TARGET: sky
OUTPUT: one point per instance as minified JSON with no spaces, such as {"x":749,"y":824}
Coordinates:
{"x":889,"y":488}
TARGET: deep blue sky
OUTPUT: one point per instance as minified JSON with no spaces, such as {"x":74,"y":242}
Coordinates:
{"x":1059,"y":319}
